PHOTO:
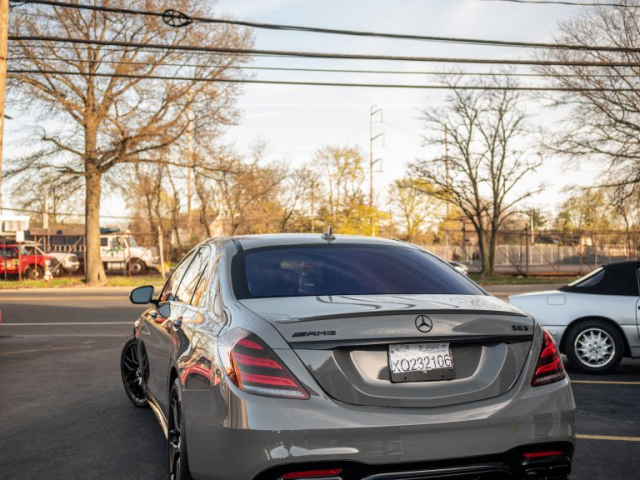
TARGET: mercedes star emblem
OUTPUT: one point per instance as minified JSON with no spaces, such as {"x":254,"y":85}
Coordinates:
{"x":424,"y":323}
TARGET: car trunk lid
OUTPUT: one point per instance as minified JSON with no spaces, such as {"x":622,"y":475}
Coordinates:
{"x":344,"y":342}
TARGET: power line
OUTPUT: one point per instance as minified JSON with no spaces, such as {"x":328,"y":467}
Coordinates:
{"x":69,"y":214}
{"x":132,"y":49}
{"x":332,"y":70}
{"x":564,"y":3}
{"x":206,"y":53}
{"x":323,"y":84}
{"x":335,"y":56}
{"x":333,"y":31}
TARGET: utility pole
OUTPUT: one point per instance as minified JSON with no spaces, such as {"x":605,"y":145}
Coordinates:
{"x":4,"y":38}
{"x":190,"y":155}
{"x":313,"y":206}
{"x":446,"y":167}
{"x":373,"y":111}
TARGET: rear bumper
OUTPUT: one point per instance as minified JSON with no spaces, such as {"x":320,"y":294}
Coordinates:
{"x":232,"y":435}
{"x":507,"y":466}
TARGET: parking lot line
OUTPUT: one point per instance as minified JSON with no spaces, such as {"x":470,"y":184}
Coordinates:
{"x":65,"y":335}
{"x":602,"y":382}
{"x":54,"y":349}
{"x":60,"y":324}
{"x":44,"y":298}
{"x":607,"y":437}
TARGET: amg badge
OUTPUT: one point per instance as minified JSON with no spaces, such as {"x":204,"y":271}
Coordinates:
{"x":322,"y":333}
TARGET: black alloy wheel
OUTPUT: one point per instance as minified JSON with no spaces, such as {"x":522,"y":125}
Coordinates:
{"x":178,"y":462}
{"x":132,"y":373}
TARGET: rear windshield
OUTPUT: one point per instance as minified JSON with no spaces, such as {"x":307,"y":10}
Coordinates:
{"x":344,"y":270}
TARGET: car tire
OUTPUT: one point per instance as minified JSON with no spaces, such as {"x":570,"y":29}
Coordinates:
{"x":594,"y":346}
{"x":178,"y":462}
{"x":138,"y":267}
{"x":31,"y":271}
{"x":132,"y":373}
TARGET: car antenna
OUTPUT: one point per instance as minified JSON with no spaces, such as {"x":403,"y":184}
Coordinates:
{"x":328,"y":236}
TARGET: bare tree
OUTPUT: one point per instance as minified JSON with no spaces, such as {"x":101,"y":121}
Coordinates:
{"x":604,"y":102}
{"x":486,"y":163}
{"x":104,"y":124}
{"x":413,"y":206}
{"x":58,"y":196}
{"x":344,"y":206}
{"x":297,"y":198}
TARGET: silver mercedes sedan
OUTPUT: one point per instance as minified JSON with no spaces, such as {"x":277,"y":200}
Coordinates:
{"x":283,"y":357}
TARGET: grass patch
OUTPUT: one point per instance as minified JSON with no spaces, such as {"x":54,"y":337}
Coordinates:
{"x":78,"y":282}
{"x":514,"y":280}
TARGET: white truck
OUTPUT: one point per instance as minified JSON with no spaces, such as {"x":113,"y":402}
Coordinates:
{"x":121,"y":252}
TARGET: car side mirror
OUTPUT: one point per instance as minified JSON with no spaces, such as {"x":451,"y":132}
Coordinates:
{"x":142,"y":295}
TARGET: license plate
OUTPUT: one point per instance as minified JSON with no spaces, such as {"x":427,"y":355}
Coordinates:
{"x":419,"y":362}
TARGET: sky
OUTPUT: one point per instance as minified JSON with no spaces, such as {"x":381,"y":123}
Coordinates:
{"x":294,"y":121}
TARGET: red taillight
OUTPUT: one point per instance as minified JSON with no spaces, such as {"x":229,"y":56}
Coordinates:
{"x":255,"y":368}
{"x":312,"y":474}
{"x":549,"y":368}
{"x":550,"y":453}
{"x":249,"y":344}
{"x":256,"y":361}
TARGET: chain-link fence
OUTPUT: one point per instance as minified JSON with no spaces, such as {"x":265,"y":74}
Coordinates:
{"x":542,"y":252}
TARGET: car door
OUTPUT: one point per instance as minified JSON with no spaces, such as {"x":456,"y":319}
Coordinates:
{"x":192,"y":308}
{"x":201,"y":328}
{"x":168,"y":333}
{"x":154,"y":332}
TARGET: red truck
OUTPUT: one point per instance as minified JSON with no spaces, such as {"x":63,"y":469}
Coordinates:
{"x":10,"y":262}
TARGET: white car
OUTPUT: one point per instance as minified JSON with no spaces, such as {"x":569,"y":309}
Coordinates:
{"x":595,"y":320}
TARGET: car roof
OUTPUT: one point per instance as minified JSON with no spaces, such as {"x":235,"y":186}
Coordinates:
{"x":620,"y":278}
{"x":247,"y":242}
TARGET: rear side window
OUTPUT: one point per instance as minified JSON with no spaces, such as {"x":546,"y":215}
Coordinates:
{"x":193,"y":276}
{"x":590,"y":280}
{"x":170,"y":289}
{"x":344,"y":270}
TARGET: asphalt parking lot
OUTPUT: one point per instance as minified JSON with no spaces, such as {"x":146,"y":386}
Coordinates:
{"x":63,"y":412}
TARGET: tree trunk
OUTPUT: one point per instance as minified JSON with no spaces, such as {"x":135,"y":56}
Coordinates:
{"x":93,"y":260}
{"x":484,"y":253}
{"x":493,"y":248}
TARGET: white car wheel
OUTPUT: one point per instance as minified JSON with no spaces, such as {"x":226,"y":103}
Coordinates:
{"x":594,"y":346}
